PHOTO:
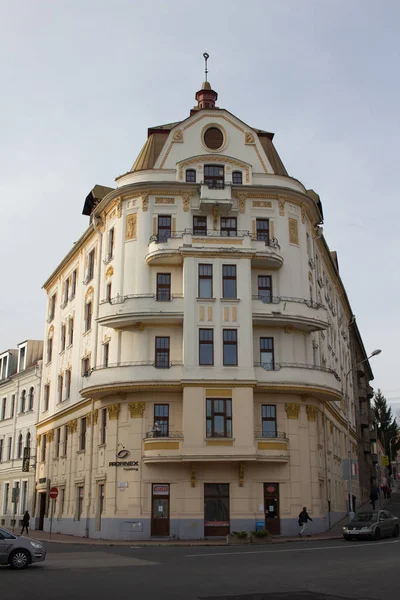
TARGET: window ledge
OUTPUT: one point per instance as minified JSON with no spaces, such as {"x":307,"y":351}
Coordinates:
{"x":48,"y":363}
{"x":86,"y":332}
{"x":206,"y":299}
{"x":63,"y":456}
{"x":101,"y":445}
{"x":81,"y":451}
{"x":230,"y":300}
{"x":69,"y":346}
{"x":62,"y":352}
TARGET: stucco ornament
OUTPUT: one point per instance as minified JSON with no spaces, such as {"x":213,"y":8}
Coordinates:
{"x":292,"y":410}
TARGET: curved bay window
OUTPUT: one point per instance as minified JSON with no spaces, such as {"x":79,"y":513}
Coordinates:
{"x":265,"y":287}
{"x":267,"y":353}
{"x":268,"y":420}
{"x":237,"y":178}
{"x":190,"y":176}
{"x":162,"y":353}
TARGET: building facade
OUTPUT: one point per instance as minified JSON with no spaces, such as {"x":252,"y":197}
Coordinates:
{"x":196,"y":341}
{"x":20,"y":376}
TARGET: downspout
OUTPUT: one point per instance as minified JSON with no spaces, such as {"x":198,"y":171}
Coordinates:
{"x":89,"y":498}
{"x":326,"y":470}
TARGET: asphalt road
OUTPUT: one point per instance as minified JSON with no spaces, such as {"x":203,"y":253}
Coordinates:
{"x":298,"y":571}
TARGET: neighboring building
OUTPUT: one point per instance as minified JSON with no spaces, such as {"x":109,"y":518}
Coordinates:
{"x":20,"y":373}
{"x":196,"y":344}
{"x":364,"y":414}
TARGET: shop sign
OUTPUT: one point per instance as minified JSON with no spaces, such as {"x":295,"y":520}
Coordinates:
{"x":160,"y":490}
{"x":125,"y":463}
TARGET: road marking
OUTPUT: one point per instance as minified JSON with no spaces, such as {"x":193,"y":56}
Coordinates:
{"x":291,"y":550}
{"x":89,"y":560}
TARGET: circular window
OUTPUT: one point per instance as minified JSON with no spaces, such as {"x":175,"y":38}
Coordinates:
{"x":213,"y":138}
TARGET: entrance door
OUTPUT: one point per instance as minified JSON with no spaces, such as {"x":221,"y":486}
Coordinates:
{"x":271,"y":507}
{"x":42,"y":510}
{"x":160,"y":509}
{"x":216,"y":509}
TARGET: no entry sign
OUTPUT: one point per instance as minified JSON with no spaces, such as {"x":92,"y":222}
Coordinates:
{"x":53,"y":493}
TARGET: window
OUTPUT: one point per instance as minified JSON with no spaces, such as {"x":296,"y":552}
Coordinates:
{"x":62,"y":501}
{"x":206,"y":346}
{"x":88,"y":316}
{"x":219,"y":417}
{"x":12,"y":405}
{"x":268,"y":420}
{"x":190,"y":176}
{"x":1,"y":449}
{"x":229,"y":281}
{"x":65,"y":440}
{"x":214,"y":177}
{"x":103,"y":426}
{"x":162,"y":353}
{"x":199,"y":225}
{"x":67,"y":383}
{"x":31,"y":395}
{"x":164,"y":228}
{"x":66,"y":291}
{"x":46,"y":397}
{"x":161,"y":416}
{"x":6,"y":493}
{"x":163,"y":287}
{"x":3,"y":408}
{"x":52,"y":307}
{"x":109,"y":292}
{"x":237,"y":177}
{"x":58,"y":442}
{"x":21,"y":362}
{"x":63,"y":336}
{"x":23,"y":401}
{"x":213,"y":137}
{"x":106,"y":353}
{"x":267,"y":353}
{"x":73,"y":283}
{"x":82,"y":435}
{"x":49,"y":349}
{"x":265,"y":288}
{"x":9,"y":453}
{"x":205,"y":281}
{"x":229,"y":226}
{"x":24,"y":496}
{"x":3,"y":365}
{"x":79,"y":503}
{"x":70,"y":331}
{"x":85,"y":366}
{"x":111,"y":243}
{"x":230,"y":347}
{"x":43,"y":445}
{"x":60,"y":388}
{"x":90,"y":267}
{"x":28,"y":440}
{"x":262,"y":229}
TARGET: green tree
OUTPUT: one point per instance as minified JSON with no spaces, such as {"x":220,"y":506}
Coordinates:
{"x":387,"y":424}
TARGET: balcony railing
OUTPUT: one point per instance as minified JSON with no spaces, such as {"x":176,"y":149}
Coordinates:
{"x":271,"y":435}
{"x":284,"y":365}
{"x":176,"y":435}
{"x":278,"y":299}
{"x":142,"y":363}
{"x":160,"y":298}
{"x":163,"y":237}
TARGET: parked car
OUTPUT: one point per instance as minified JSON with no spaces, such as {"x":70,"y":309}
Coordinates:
{"x":18,"y":551}
{"x":375,"y":524}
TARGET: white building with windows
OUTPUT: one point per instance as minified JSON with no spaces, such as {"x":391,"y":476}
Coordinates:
{"x":20,"y":375}
{"x":196,"y":340}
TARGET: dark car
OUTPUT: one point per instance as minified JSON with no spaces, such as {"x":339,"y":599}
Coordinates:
{"x":375,"y":524}
{"x":18,"y":551}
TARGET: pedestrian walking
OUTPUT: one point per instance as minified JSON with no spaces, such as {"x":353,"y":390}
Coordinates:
{"x":373,"y":497}
{"x":304,"y":517}
{"x":25,"y":522}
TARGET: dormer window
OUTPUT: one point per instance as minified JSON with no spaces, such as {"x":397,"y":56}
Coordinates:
{"x":21,"y":362}
{"x":190,"y":176}
{"x":237,"y":178}
{"x":214,"y":177}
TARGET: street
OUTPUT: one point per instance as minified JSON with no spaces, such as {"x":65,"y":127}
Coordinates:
{"x":315,"y":570}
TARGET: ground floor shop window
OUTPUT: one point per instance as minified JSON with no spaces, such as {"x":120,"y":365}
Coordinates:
{"x":216,"y":509}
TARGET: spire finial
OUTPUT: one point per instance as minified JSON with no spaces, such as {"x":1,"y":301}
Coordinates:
{"x":206,"y":57}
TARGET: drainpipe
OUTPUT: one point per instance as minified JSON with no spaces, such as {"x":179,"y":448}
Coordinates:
{"x":89,"y":497}
{"x":326,"y":472}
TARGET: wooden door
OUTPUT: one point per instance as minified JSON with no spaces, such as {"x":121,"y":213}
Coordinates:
{"x":42,"y":510}
{"x":271,"y":508}
{"x":216,"y":509}
{"x":160,"y":510}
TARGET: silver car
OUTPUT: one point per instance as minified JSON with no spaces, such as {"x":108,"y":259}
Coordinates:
{"x":18,"y":551}
{"x":375,"y":524}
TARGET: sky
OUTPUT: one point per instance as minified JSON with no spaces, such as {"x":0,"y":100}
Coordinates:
{"x":81,"y":81}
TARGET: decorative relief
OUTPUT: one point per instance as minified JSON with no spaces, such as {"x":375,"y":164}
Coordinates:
{"x":130,"y":228}
{"x":262,"y":204}
{"x":178,"y":136}
{"x":89,"y":419}
{"x":186,"y":202}
{"x":281,"y":202}
{"x":303,"y":214}
{"x":260,"y":158}
{"x":193,"y":476}
{"x":119,"y":208}
{"x":242,"y":203}
{"x":249,"y":138}
{"x":215,"y":217}
{"x":145,"y":202}
{"x":136,"y":409}
{"x":89,"y":293}
{"x":218,"y":159}
{"x":165,"y":200}
{"x":311,"y":412}
{"x":72,"y":426}
{"x":95,"y":415}
{"x":109,"y":272}
{"x":50,"y":435}
{"x":293,"y":231}
{"x":309,"y":276}
{"x":272,"y":228}
{"x":113,"y":411}
{"x":292,"y":410}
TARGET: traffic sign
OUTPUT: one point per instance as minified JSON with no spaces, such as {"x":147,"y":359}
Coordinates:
{"x":53,"y":493}
{"x":385,"y":460}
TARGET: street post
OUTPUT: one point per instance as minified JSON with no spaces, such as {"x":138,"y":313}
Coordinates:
{"x":53,"y":495}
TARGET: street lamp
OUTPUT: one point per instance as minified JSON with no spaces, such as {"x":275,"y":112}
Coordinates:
{"x":374,"y":353}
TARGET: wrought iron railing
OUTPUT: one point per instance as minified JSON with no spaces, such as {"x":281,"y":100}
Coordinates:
{"x":285,"y":365}
{"x":121,"y":299}
{"x":270,"y":435}
{"x":278,"y":299}
{"x":160,"y":434}
{"x":140,"y":363}
{"x":163,"y":237}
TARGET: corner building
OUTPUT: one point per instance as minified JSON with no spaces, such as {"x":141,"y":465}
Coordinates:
{"x":196,"y":342}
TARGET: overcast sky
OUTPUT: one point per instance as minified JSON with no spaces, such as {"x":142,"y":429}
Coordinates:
{"x":82,"y":80}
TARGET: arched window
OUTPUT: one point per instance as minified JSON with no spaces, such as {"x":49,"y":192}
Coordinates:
{"x":23,"y":399}
{"x":28,"y":440}
{"x":30,"y":398}
{"x":190,"y":176}
{"x":237,"y":178}
{"x":19,"y":447}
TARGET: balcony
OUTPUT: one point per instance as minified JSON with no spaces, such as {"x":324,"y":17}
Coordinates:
{"x":159,"y":447}
{"x":299,"y":313}
{"x":125,"y":311}
{"x":220,"y":193}
{"x":272,"y":445}
{"x":123,"y":377}
{"x":299,"y":378}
